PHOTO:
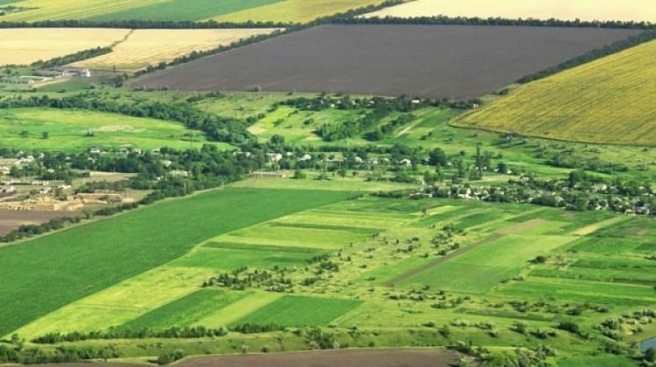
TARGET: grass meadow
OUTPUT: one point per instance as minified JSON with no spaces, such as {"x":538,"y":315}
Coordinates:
{"x":67,"y":130}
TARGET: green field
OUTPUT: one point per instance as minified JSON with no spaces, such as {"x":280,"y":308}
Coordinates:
{"x":180,"y":10}
{"x":185,"y":311}
{"x":67,"y":131}
{"x":157,"y":234}
{"x":591,"y":103}
{"x":295,"y":11}
{"x":300,"y":311}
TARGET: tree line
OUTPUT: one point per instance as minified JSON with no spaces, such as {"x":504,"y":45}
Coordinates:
{"x":71,"y":58}
{"x":497,"y":21}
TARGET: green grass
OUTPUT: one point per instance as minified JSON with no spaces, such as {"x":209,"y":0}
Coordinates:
{"x":67,"y":131}
{"x":71,"y":264}
{"x":480,"y":269}
{"x":181,"y":10}
{"x":185,"y":311}
{"x":300,"y":311}
{"x":596,"y":361}
{"x":228,"y":258}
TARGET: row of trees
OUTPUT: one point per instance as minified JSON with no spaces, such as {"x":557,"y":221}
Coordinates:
{"x":71,"y":58}
{"x":497,"y":21}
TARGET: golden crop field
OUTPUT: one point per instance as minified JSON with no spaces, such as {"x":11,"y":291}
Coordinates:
{"x":637,"y":10}
{"x":71,"y":9}
{"x":296,"y":11}
{"x":610,"y":100}
{"x":145,"y":47}
{"x":27,"y":45}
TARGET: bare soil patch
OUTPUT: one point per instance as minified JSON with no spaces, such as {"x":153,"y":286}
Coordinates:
{"x":433,"y":61}
{"x":10,"y":219}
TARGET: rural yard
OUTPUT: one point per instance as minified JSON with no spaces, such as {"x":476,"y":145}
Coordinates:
{"x":310,"y":183}
{"x":426,"y":61}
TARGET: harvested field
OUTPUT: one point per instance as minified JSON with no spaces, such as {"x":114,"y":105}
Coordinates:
{"x":10,"y":219}
{"x":146,"y":47}
{"x":342,"y":358}
{"x":587,"y":10}
{"x":429,"y":61}
{"x":25,"y":45}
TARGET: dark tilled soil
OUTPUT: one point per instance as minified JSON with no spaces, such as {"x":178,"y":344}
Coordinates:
{"x":418,"y":60}
{"x":339,"y":358}
{"x":10,"y":220}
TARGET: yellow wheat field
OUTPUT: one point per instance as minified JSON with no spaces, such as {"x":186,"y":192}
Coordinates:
{"x":71,"y":9}
{"x":27,"y":45}
{"x":610,"y":100}
{"x":627,"y":10}
{"x":150,"y":46}
{"x":296,"y":11}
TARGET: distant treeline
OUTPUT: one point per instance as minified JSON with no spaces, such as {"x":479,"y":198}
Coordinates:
{"x":140,"y":24}
{"x":445,"y":20}
{"x":170,"y":333}
{"x":71,"y":58}
{"x":646,"y":36}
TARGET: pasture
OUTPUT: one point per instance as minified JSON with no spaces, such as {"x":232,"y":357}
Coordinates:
{"x":374,"y":59}
{"x":23,"y":46}
{"x":69,"y":130}
{"x":145,"y":47}
{"x":592,"y":103}
{"x":587,"y":10}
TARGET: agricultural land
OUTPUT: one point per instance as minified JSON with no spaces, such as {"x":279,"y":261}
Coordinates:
{"x":24,"y":46}
{"x":249,"y":183}
{"x":586,"y":10}
{"x":592,"y":103}
{"x":374,"y":59}
{"x":277,"y":11}
{"x":145,"y":47}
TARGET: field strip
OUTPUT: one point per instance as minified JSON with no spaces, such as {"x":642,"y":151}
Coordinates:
{"x":105,"y":309}
{"x":597,"y":226}
{"x":499,"y":234}
{"x":443,"y":259}
{"x":521,"y":227}
{"x":238,"y":309}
